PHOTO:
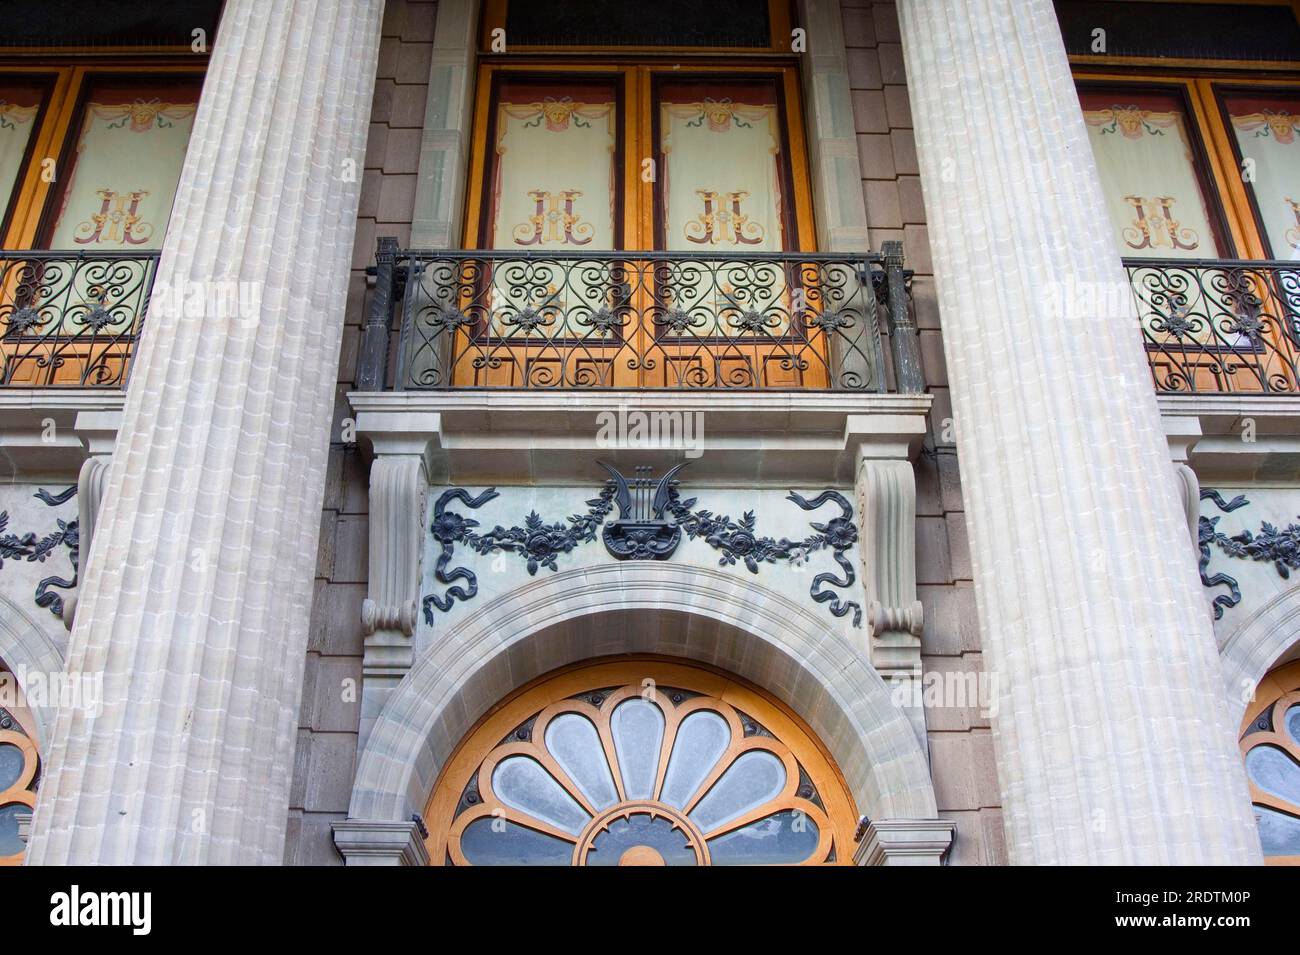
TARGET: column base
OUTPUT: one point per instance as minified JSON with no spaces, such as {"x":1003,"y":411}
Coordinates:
{"x":363,"y":842}
{"x":905,"y":842}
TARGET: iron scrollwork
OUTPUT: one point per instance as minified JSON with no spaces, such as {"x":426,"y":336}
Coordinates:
{"x":652,"y":518}
{"x":35,"y":549}
{"x":1281,"y":546}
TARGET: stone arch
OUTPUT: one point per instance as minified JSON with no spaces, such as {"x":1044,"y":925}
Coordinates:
{"x":1271,"y":636}
{"x":724,"y":619}
{"x":24,"y":645}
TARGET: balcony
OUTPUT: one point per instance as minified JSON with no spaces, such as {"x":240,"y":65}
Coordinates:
{"x":71,"y":319}
{"x":1219,"y":326}
{"x":639,"y":320}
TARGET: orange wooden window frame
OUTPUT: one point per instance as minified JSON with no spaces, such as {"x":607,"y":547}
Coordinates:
{"x":779,"y":17}
{"x":1278,"y":691}
{"x":487,"y":734}
{"x":1199,"y":79}
{"x":34,"y":190}
{"x":636,"y":80}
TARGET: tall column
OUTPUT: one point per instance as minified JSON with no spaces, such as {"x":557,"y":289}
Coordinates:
{"x":1112,"y":737}
{"x":195,"y":607}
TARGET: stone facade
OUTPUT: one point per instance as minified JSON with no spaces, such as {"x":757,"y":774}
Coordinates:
{"x":961,"y":747}
{"x":385,"y":699}
{"x":324,"y":762}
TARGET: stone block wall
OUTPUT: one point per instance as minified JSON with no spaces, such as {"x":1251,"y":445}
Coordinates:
{"x":330,"y":712}
{"x":961,"y":744}
{"x":960,"y":740}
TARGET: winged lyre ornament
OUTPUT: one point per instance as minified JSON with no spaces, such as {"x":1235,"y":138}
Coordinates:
{"x":642,"y":532}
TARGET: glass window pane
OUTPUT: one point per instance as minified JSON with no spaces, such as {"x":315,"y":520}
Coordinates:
{"x":641,"y":839}
{"x":20,"y":107}
{"x":124,"y":168}
{"x":785,"y":838}
{"x":1274,"y":771}
{"x":753,"y":779}
{"x":554,"y":179}
{"x":1153,"y":178}
{"x":723,"y":183}
{"x":10,"y":843}
{"x":701,"y":740}
{"x":12,"y":762}
{"x":1265,"y":130}
{"x":524,"y":784}
{"x":638,"y":729}
{"x":575,"y":745}
{"x":1278,"y":832}
{"x":723,"y":190}
{"x":553,"y":185}
{"x":492,"y":841}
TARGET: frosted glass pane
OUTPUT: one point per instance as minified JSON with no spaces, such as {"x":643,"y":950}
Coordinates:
{"x":1151,"y":183}
{"x":1265,"y":129}
{"x":523,"y":784}
{"x":1279,"y":833}
{"x":701,"y":740}
{"x":753,"y":779}
{"x":500,"y":842}
{"x":785,"y":838}
{"x":11,"y":764}
{"x":638,"y":728}
{"x":18,"y":109}
{"x":10,"y":844}
{"x":129,"y":157}
{"x":1275,"y":772}
{"x":575,"y":744}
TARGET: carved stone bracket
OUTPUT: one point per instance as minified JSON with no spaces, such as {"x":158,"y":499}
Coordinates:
{"x":398,"y":484}
{"x":98,"y":432}
{"x":362,"y":842}
{"x":887,"y":504}
{"x":914,"y":842}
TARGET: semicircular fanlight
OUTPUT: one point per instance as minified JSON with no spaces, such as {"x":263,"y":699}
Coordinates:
{"x":630,"y":776}
{"x":1271,"y":749}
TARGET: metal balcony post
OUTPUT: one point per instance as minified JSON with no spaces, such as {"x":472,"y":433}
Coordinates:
{"x":372,"y":357}
{"x":903,"y":341}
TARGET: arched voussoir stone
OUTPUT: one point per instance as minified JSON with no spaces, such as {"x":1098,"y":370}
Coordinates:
{"x":708,"y":616}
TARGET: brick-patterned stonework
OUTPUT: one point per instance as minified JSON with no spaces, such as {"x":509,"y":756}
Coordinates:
{"x":961,"y":750}
{"x":961,"y":746}
{"x":331,"y":708}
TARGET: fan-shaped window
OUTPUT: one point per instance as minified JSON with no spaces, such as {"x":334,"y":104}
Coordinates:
{"x":19,"y":763}
{"x":640,"y":764}
{"x":1270,"y":745}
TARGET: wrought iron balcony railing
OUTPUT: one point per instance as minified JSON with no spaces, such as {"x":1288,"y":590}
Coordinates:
{"x":1219,"y":326}
{"x":71,"y":318}
{"x":504,"y":319}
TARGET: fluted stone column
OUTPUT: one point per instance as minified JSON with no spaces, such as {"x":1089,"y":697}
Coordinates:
{"x":1112,"y":737}
{"x":195,"y":607}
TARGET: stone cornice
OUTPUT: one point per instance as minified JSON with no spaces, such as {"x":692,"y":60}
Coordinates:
{"x":48,"y":431}
{"x":1234,"y":437}
{"x":757,"y":438}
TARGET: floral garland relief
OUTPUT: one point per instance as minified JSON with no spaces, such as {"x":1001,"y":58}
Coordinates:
{"x":35,"y":549}
{"x":540,"y":543}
